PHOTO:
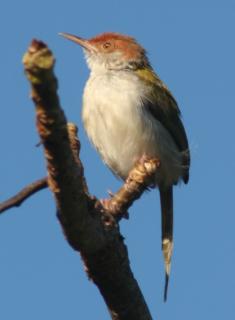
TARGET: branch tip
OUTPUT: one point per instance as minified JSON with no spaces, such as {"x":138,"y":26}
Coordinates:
{"x":36,"y":45}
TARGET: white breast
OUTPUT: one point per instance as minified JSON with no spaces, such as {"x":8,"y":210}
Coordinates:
{"x":122,"y":130}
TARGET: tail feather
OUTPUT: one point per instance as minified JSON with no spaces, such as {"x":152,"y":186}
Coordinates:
{"x":166,"y":197}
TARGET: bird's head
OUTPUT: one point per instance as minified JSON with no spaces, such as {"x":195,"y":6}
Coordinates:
{"x":112,"y":51}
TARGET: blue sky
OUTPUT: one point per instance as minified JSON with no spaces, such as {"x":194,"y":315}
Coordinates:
{"x":191,"y":46}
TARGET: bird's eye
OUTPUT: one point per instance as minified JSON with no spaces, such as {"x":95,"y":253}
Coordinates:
{"x":106,"y":45}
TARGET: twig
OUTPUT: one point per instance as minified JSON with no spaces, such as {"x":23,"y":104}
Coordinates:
{"x":24,"y":194}
{"x":139,"y":179}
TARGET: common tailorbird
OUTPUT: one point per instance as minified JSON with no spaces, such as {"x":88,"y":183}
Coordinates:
{"x":129,"y":113}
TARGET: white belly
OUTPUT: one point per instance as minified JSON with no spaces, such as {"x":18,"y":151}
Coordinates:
{"x":122,"y":130}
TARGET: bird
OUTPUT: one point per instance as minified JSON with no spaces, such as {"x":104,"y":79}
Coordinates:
{"x":129,"y":113}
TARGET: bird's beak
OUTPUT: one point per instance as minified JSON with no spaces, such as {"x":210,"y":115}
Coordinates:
{"x":82,"y":42}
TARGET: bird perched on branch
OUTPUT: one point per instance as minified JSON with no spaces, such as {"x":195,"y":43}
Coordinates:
{"x":129,"y":113}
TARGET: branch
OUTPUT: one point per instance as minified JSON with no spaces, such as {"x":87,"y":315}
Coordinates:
{"x":139,"y":179}
{"x":24,"y":194}
{"x":88,"y":226}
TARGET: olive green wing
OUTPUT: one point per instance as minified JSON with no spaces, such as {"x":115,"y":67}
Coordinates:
{"x":163,"y":107}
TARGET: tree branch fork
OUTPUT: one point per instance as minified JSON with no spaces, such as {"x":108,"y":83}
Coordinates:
{"x":89,"y":224}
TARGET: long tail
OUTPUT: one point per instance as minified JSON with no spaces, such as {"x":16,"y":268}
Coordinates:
{"x":166,"y":197}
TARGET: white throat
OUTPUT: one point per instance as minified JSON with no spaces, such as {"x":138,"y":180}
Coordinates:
{"x":100,"y":63}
